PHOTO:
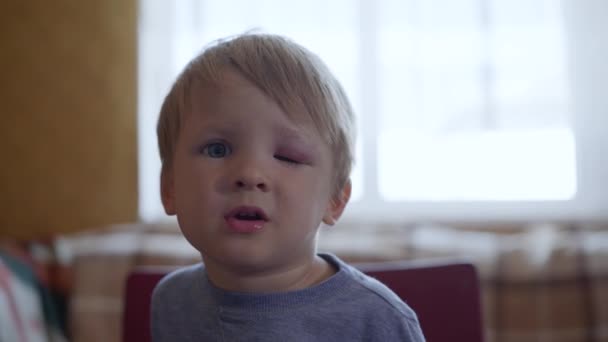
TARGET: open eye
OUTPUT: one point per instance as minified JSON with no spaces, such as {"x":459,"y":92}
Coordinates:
{"x":216,"y":150}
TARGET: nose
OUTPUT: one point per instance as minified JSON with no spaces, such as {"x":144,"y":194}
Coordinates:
{"x":250,"y":176}
{"x":244,"y":183}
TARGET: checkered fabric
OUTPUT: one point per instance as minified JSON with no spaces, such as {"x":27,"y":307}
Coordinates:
{"x":541,"y":282}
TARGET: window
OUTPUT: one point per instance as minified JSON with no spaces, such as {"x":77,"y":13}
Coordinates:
{"x":467,"y":106}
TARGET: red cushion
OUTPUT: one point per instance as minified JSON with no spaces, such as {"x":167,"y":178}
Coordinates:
{"x":445,"y":296}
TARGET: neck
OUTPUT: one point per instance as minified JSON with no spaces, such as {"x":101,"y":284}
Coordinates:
{"x":296,"y":277}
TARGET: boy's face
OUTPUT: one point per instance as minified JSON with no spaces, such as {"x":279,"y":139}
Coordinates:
{"x":249,"y":186}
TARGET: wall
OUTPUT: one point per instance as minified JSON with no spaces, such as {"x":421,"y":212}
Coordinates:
{"x":68,"y":131}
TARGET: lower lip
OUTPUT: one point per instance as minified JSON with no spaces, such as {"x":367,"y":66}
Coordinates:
{"x":245,"y":226}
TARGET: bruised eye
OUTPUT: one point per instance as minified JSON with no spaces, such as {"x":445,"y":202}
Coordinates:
{"x":216,"y":150}
{"x":287,"y":160}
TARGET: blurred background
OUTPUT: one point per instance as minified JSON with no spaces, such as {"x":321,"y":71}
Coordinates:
{"x":466,"y":109}
{"x":482,"y":135}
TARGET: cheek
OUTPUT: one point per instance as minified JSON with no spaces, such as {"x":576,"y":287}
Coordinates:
{"x":192,"y":186}
{"x":306,"y":197}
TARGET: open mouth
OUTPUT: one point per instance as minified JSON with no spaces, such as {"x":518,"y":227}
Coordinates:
{"x":246,"y":220}
{"x":247,"y":214}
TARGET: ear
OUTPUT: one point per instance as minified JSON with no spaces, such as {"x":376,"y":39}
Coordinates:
{"x":337,"y":204}
{"x":167,"y":190}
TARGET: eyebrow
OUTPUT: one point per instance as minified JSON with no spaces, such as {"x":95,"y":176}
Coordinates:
{"x":223,"y":130}
{"x":293,"y":135}
{"x":289,"y":133}
{"x":219,"y":127}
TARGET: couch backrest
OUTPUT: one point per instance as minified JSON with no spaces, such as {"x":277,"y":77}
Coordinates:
{"x":445,"y":296}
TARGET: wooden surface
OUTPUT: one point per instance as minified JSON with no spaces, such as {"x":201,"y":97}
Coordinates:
{"x":68,"y":131}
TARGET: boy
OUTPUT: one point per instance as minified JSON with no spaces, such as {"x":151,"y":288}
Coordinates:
{"x":256,"y":142}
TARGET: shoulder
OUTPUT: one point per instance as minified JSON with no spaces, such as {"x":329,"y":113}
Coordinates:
{"x":176,"y":304}
{"x":371,"y":290}
{"x":388,"y":315}
{"x":177,"y":284}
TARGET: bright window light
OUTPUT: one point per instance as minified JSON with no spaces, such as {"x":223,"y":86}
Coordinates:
{"x":457,"y":102}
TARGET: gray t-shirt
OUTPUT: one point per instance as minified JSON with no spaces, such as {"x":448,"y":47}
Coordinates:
{"x":349,"y":306}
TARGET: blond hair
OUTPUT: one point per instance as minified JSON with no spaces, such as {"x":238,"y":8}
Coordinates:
{"x":290,"y":74}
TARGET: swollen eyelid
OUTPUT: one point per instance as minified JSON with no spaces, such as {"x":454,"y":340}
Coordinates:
{"x":295,"y":157}
{"x":287,"y":159}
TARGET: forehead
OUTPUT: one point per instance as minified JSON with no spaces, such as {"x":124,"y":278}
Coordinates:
{"x":231,"y":97}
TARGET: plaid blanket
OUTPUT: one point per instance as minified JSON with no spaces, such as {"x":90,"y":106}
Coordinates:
{"x":539,"y":282}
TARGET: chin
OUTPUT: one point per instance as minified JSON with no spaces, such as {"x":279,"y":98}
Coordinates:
{"x":244,"y":257}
